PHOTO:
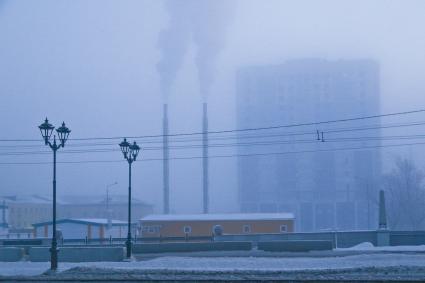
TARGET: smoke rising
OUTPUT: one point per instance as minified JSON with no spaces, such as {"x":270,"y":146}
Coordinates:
{"x":205,"y":23}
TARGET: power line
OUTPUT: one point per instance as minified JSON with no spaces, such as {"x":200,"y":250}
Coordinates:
{"x":222,"y":156}
{"x":240,"y":130}
{"x":196,"y":146}
{"x":239,"y":137}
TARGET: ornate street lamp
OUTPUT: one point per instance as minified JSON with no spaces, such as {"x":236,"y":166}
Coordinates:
{"x":46,"y":130}
{"x":130,"y":152}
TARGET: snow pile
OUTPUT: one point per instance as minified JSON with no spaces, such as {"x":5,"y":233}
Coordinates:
{"x":367,"y":246}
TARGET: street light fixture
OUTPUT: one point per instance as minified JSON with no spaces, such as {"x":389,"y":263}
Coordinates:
{"x":46,"y":130}
{"x":130,"y":152}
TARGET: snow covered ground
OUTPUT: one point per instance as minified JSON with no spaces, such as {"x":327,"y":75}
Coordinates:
{"x":370,"y":247}
{"x":404,"y":263}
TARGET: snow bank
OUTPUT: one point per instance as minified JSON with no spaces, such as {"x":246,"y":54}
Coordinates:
{"x":366,"y":246}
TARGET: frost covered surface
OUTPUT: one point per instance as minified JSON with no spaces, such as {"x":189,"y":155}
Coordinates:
{"x":388,"y":265}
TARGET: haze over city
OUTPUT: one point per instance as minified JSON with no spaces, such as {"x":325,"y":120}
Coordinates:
{"x":96,"y":66}
{"x":212,"y":140}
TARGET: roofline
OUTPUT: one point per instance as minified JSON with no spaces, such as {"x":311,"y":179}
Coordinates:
{"x":79,"y":221}
{"x":217,"y":219}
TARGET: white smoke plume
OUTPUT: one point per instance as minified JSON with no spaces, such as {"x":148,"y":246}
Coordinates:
{"x":204,"y":22}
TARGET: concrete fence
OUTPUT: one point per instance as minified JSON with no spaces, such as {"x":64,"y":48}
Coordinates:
{"x":338,"y":239}
{"x":191,"y":247}
{"x":78,"y":254}
{"x":11,"y":254}
{"x":295,"y":246}
{"x":406,"y":238}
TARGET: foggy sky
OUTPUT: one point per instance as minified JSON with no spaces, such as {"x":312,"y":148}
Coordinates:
{"x":94,"y":64}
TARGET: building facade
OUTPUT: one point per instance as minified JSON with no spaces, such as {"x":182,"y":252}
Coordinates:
{"x":116,"y":207}
{"x":198,"y":225}
{"x":83,"y":228}
{"x":25,"y":210}
{"x":328,"y":181}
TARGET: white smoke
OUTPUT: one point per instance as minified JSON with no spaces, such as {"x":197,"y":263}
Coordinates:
{"x":205,"y":23}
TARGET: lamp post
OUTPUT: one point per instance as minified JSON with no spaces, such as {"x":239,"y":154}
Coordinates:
{"x":130,"y":152}
{"x":46,"y":130}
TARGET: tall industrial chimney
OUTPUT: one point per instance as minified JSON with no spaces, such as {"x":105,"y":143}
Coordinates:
{"x":205,"y":158}
{"x":166,"y":168}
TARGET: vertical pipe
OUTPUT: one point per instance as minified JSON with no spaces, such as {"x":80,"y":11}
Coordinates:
{"x":4,"y":214}
{"x":205,"y":158}
{"x":382,"y":211}
{"x":166,"y":172}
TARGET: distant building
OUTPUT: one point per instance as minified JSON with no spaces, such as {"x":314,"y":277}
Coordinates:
{"x":97,"y":207}
{"x":25,"y":210}
{"x":325,"y":186}
{"x":4,"y":212}
{"x":82,"y":228}
{"x":193,"y":225}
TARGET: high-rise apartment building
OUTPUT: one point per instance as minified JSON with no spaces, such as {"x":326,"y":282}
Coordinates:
{"x":327,"y":183}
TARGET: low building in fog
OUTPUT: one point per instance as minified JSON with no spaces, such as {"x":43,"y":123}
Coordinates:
{"x":194,"y":225}
{"x":80,"y":206}
{"x":82,"y":228}
{"x":25,"y":210}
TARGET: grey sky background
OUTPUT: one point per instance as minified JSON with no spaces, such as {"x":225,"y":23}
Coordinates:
{"x":94,"y":64}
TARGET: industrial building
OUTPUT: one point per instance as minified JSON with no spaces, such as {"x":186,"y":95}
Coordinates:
{"x":197,"y":225}
{"x":305,"y":169}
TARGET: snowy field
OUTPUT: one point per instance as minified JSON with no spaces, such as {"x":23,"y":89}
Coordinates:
{"x":387,"y":263}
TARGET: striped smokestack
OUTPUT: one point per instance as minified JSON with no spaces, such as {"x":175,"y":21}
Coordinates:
{"x":166,"y":168}
{"x":205,"y":158}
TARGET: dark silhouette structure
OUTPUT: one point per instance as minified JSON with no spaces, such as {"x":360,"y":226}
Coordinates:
{"x":166,"y":162}
{"x":130,"y":152}
{"x":382,"y":211}
{"x":63,"y":132}
{"x":205,"y":181}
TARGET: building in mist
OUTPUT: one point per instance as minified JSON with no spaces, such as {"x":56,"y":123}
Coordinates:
{"x":204,"y":225}
{"x":329,"y":183}
{"x":97,"y":207}
{"x":3,"y":221}
{"x":25,"y":210}
{"x":83,"y":228}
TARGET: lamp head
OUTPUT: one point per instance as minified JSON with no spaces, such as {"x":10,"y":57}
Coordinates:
{"x":63,"y":133}
{"x":134,"y":150}
{"x":46,"y":130}
{"x":125,"y":147}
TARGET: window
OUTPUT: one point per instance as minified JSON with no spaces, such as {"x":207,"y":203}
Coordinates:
{"x":151,"y":229}
{"x":187,"y":229}
{"x":283,"y":228}
{"x":247,"y":228}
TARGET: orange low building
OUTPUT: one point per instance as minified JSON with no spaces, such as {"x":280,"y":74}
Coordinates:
{"x":194,"y":225}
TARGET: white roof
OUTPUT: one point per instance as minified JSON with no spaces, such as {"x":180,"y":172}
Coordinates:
{"x":214,"y":217}
{"x":98,"y":220}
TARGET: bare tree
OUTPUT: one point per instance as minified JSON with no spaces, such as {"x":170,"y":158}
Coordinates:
{"x":406,"y":195}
